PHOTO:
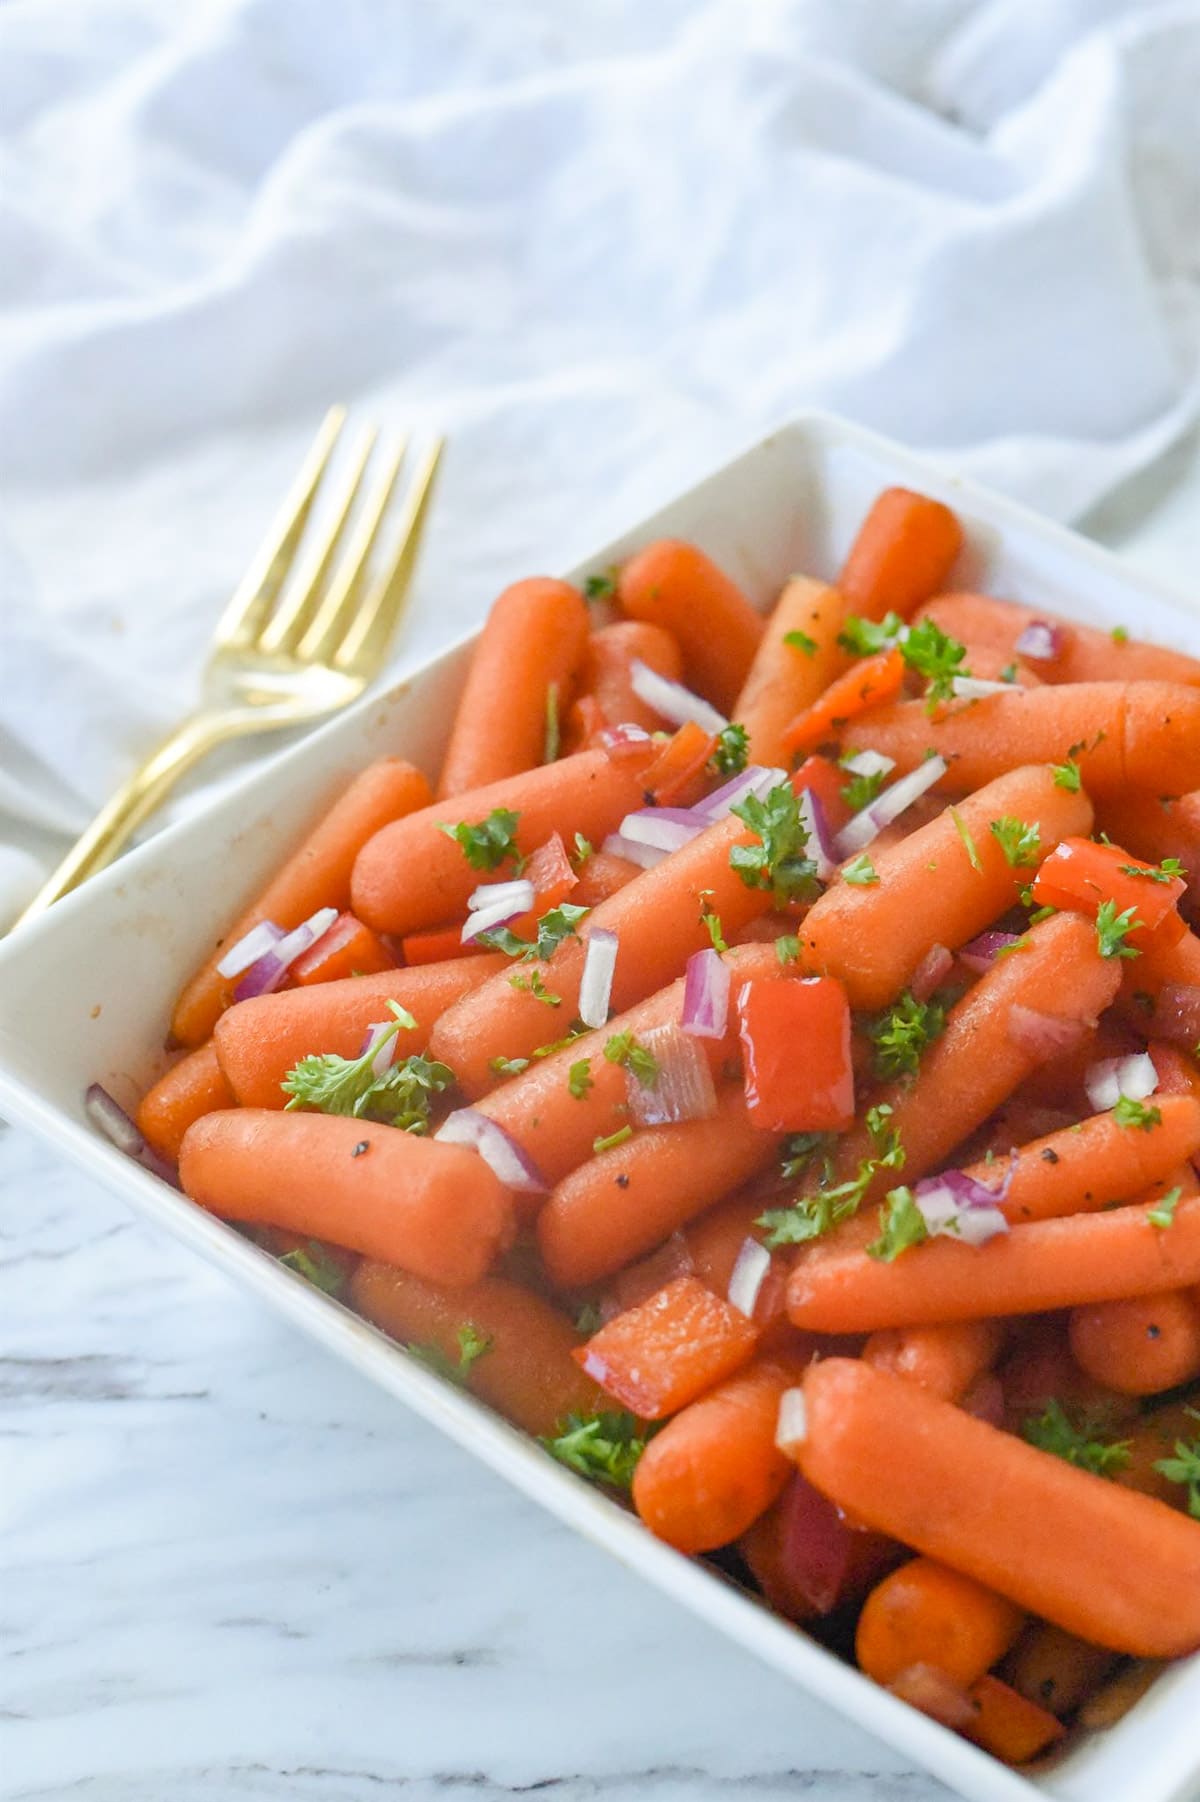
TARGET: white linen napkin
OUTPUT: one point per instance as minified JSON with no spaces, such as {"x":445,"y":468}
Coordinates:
{"x":601,"y":246}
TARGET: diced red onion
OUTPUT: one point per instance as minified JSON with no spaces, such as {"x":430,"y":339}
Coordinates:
{"x":931,"y":972}
{"x":646,"y":856}
{"x":520,"y":891}
{"x":756,"y":779}
{"x":979,"y":954}
{"x":977,"y":688}
{"x":866,"y":826}
{"x":672,"y":700}
{"x":662,"y":828}
{"x":383,"y":1034}
{"x":250,"y":948}
{"x":1044,"y":1035}
{"x":498,"y":1149}
{"x":1040,"y":641}
{"x":622,"y":742}
{"x":268,"y":971}
{"x":977,"y":1225}
{"x":869,"y":763}
{"x":746,"y":1279}
{"x":123,"y":1132}
{"x":487,"y":919}
{"x":821,"y":848}
{"x":1106,"y":1081}
{"x":706,"y":995}
{"x":792,"y":1426}
{"x":956,"y":1205}
{"x":1177,"y":1013}
{"x":595,"y":986}
{"x":970,"y":1192}
{"x":683,"y":1088}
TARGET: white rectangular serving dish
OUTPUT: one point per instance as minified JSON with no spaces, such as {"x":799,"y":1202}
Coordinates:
{"x":85,"y":995}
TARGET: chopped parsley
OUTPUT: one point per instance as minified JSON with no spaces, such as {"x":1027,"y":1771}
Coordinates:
{"x":400,"y":1097}
{"x":486,"y":845}
{"x":583,"y":850}
{"x":933,"y":654}
{"x":618,"y":1138}
{"x":812,"y":1216}
{"x":578,"y":1031}
{"x":471,"y":1347}
{"x":777,"y":861}
{"x":508,"y":1066}
{"x":534,"y":985}
{"x":1129,"y":1112}
{"x":579,"y":1078}
{"x":903,"y":1032}
{"x":964,"y":833}
{"x":1120,"y":635}
{"x":1067,"y":775}
{"x":1168,"y":870}
{"x":315,"y":1265}
{"x":799,"y":1152}
{"x":1162,"y":1214}
{"x":1009,"y":673}
{"x":732,"y":749}
{"x":800,"y":641}
{"x":716,"y":932}
{"x":1054,"y":1431}
{"x":787,"y":950}
{"x":552,"y":742}
{"x":623,"y":1048}
{"x":1112,"y":929}
{"x":557,"y":924}
{"x":1184,"y":1467}
{"x":902,"y":1225}
{"x":860,"y":871}
{"x":861,"y":789}
{"x":604,"y":1448}
{"x":1019,"y":841}
{"x":865,"y":637}
{"x":601,"y":587}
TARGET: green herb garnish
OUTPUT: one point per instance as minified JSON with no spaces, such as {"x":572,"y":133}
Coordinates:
{"x":860,"y":871}
{"x":604,"y":1448}
{"x":902,"y":1033}
{"x":486,"y":845}
{"x":777,"y":862}
{"x":1054,"y":1431}
{"x":1019,"y":841}
{"x":1112,"y":929}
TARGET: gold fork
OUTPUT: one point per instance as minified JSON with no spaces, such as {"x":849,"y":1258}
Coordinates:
{"x":281,"y":659}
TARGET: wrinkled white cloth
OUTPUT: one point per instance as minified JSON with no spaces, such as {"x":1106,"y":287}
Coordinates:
{"x":602,"y":246}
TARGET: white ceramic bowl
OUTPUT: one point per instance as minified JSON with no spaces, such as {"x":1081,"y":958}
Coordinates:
{"x":85,"y":995}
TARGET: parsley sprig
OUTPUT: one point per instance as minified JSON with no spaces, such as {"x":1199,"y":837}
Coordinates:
{"x":902,"y":1225}
{"x":902,"y":1034}
{"x":813,"y":1215}
{"x":1020,"y":842}
{"x":732,"y":750}
{"x":340,"y":1085}
{"x":1076,"y":1442}
{"x":777,"y":861}
{"x":604,"y":1448}
{"x":486,"y":845}
{"x":1169,"y":870}
{"x":1184,"y":1467}
{"x":1113,"y":928}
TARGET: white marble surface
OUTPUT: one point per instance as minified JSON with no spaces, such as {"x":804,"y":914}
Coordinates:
{"x":229,"y":1568}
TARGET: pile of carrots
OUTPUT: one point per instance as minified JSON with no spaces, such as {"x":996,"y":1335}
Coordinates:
{"x":806,"y":1148}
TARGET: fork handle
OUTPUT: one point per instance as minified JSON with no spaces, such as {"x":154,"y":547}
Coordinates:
{"x":133,"y":802}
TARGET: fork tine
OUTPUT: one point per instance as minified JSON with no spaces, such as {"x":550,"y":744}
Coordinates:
{"x":255,"y":594}
{"x":367,"y":637}
{"x":286,"y":626}
{"x":324,"y":634}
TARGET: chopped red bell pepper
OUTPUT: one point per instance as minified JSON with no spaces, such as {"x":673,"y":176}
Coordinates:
{"x":670,"y":1348}
{"x":676,"y":777}
{"x":348,"y":948}
{"x":553,"y":877}
{"x":822,"y":777}
{"x":806,"y":1557}
{"x":1079,"y":875}
{"x":437,"y":944}
{"x":799,"y":1073}
{"x":871,"y":681}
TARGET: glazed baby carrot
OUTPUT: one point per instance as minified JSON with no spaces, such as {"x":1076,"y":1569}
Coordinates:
{"x":662,"y":1354}
{"x":1081,"y":653}
{"x":1056,"y":1669}
{"x":526,"y":1370}
{"x":608,"y":697}
{"x":1093,"y":1163}
{"x":414,"y":874}
{"x":600,"y":876}
{"x":1113,"y":1567}
{"x":625,"y":1201}
{"x":523,"y":673}
{"x":563,"y":1101}
{"x":905,"y":549}
{"x":945,"y":1358}
{"x":860,"y":691}
{"x":1121,"y":734}
{"x":434,"y":1209}
{"x":192,"y":1087}
{"x":257,"y":1042}
{"x":978,"y":1061}
{"x":931,"y":889}
{"x":675,"y":585}
{"x":927,"y":1613}
{"x":797,"y":658}
{"x":316,"y":875}
{"x":715,"y":1467}
{"x":658,"y":924}
{"x":1140,"y":1345}
{"x":1051,"y":1264}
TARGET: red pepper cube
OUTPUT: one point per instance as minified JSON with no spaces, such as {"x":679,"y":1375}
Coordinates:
{"x":550,"y":871}
{"x":1079,"y":875}
{"x":348,"y":948}
{"x":676,"y":777}
{"x":822,"y":777}
{"x":670,"y":1348}
{"x":797,"y":1055}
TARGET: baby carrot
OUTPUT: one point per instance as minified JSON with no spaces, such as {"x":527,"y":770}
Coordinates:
{"x":1055,"y":1669}
{"x":903,"y":553}
{"x":1141,"y":1344}
{"x":434,"y":1209}
{"x":798,"y":657}
{"x":1113,"y":1567}
{"x":926,"y":1613}
{"x":523,"y":671}
{"x":1093,"y":1163}
{"x":526,"y":1371}
{"x":600,"y":876}
{"x":715,"y":1467}
{"x":658,"y":924}
{"x":257,"y":1042}
{"x":945,"y":1358}
{"x":192,"y":1087}
{"x":413,"y":874}
{"x":675,"y":585}
{"x":1121,"y":734}
{"x":437,"y":944}
{"x":861,"y":690}
{"x":316,"y":875}
{"x":1051,"y":1264}
{"x":1085,"y":654}
{"x":662,"y":1354}
{"x":931,"y":889}
{"x":627,"y":1200}
{"x":606,"y":678}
